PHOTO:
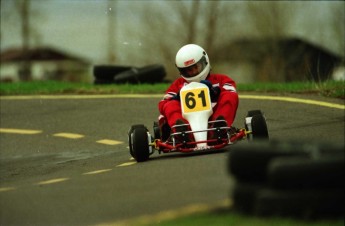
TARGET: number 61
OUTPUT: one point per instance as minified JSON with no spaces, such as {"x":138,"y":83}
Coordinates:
{"x":191,"y":101}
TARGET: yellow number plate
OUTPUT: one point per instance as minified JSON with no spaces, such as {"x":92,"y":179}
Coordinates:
{"x":195,"y":100}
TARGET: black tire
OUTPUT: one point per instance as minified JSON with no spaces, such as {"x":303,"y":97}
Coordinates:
{"x":102,"y":82}
{"x":244,"y":195}
{"x":248,"y":162}
{"x":149,"y":74}
{"x":129,"y":76}
{"x":311,"y":203}
{"x":130,"y":131}
{"x":259,"y":128}
{"x":156,"y":130}
{"x":254,"y":112}
{"x":108,"y":72}
{"x":139,"y":143}
{"x":307,"y":173}
{"x":166,"y":131}
{"x":152,"y":74}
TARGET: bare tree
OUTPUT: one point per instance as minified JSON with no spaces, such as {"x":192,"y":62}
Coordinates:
{"x":212,"y":19}
{"x":189,"y":17}
{"x":164,"y":34}
{"x":269,"y":20}
{"x":111,"y":13}
{"x":1,"y":12}
{"x":337,"y":26}
{"x":187,"y":22}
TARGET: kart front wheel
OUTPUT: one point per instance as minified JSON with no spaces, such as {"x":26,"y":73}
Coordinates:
{"x":139,"y":143}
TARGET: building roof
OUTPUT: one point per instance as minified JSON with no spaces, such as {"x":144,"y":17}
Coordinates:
{"x":38,"y":54}
{"x":254,"y":49}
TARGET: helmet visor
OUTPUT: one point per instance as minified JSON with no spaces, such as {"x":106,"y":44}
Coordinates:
{"x":194,"y":69}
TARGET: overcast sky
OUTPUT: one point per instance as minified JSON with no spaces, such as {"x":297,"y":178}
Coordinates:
{"x":80,"y":26}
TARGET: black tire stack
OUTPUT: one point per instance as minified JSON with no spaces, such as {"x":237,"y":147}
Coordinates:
{"x":288,"y":179}
{"x":109,"y":74}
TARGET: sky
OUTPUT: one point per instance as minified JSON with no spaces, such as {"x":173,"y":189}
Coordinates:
{"x":76,"y":26}
{"x":80,"y":26}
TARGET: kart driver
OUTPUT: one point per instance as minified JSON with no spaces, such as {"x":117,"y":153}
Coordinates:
{"x":194,"y":66}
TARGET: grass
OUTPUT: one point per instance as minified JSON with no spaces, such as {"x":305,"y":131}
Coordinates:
{"x":329,"y":88}
{"x":223,"y":214}
{"x":224,"y":219}
{"x":55,"y":87}
{"x":334,"y":89}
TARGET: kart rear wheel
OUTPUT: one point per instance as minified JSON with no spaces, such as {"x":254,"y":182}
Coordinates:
{"x":254,"y":112}
{"x":255,"y":122}
{"x":259,"y":128}
{"x":139,"y":143}
{"x":156,"y":130}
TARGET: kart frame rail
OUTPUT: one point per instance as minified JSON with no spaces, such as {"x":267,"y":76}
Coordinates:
{"x":173,"y":145}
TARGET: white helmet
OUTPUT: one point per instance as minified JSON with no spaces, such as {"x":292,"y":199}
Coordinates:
{"x":193,"y":63}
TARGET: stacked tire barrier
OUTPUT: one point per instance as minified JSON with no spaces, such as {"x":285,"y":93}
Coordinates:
{"x":288,"y":179}
{"x":108,"y":74}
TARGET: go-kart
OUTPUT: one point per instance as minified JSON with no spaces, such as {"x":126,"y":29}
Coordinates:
{"x":196,"y":109}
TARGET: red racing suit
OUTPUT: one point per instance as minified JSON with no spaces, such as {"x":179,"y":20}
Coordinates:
{"x":225,"y":106}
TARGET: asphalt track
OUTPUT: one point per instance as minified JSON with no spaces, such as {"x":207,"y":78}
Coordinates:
{"x":64,"y":159}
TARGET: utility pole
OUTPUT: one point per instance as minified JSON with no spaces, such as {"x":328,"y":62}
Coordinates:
{"x":25,"y":69}
{"x":111,"y":13}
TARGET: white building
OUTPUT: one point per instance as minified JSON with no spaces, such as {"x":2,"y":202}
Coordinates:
{"x":46,"y":64}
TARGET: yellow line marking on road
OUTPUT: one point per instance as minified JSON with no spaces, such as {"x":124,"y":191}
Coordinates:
{"x":97,"y":172}
{"x":4,"y":189}
{"x":294,"y":100}
{"x":105,"y":96}
{"x":52,"y":181}
{"x":109,"y":142}
{"x":171,"y":214}
{"x":126,"y":164}
{"x":69,"y":135}
{"x":100,"y":96}
{"x":19,"y":131}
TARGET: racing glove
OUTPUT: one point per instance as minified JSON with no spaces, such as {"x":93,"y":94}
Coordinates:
{"x":214,"y":91}
{"x":176,"y":97}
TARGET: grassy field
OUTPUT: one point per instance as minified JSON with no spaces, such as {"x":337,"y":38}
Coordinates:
{"x":329,"y":89}
{"x":237,"y":219}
